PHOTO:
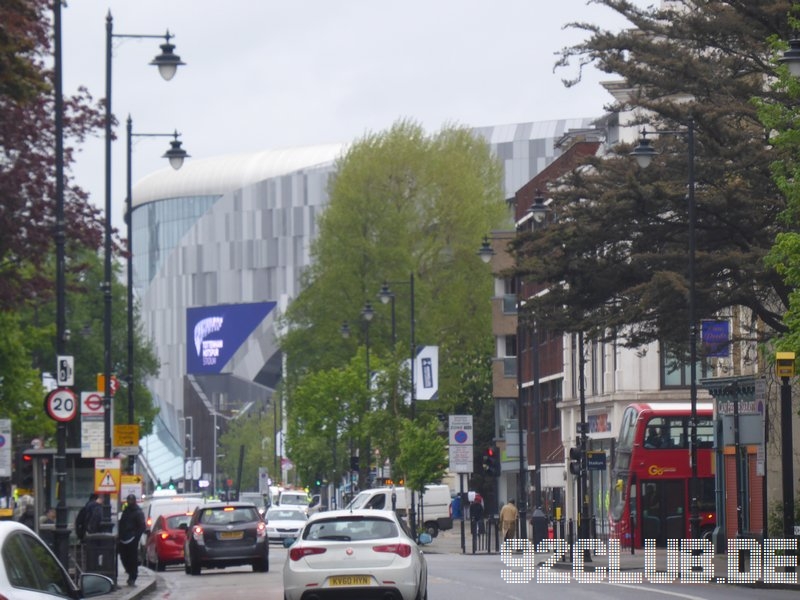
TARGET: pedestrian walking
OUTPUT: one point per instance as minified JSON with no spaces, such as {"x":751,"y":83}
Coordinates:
{"x":89,"y":518}
{"x":131,"y":528}
{"x":508,"y":520}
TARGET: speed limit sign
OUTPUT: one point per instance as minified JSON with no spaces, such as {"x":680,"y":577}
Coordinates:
{"x":61,"y":405}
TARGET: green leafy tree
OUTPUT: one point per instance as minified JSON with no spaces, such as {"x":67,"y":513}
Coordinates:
{"x":615,"y":262}
{"x":324,"y":421}
{"x":784,"y":256}
{"x":21,"y":391}
{"x":403,"y":206}
{"x":423,"y":454}
{"x":257,"y":434}
{"x":85,"y":323}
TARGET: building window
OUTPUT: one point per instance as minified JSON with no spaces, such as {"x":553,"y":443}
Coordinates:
{"x":675,"y":367}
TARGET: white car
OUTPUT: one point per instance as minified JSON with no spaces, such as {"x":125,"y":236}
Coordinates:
{"x":30,"y":571}
{"x":363,"y":553}
{"x":284,"y":522}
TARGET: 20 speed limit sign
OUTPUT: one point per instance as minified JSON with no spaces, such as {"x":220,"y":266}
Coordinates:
{"x":61,"y":405}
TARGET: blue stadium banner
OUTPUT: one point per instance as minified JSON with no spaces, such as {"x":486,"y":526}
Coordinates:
{"x":716,"y":338}
{"x":215,"y":333}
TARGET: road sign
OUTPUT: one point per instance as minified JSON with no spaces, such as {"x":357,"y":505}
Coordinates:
{"x":61,"y":405}
{"x":461,"y":446}
{"x":596,"y":460}
{"x":65,"y":371}
{"x":106,"y":475}
{"x":126,"y":439}
{"x":101,"y":384}
{"x":131,"y":484}
{"x":5,"y":447}
{"x":91,"y":404}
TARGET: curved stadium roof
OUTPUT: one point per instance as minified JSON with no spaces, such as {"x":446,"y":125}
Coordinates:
{"x":222,"y":174}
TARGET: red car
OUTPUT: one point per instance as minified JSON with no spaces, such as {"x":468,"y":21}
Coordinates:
{"x":164,"y":545}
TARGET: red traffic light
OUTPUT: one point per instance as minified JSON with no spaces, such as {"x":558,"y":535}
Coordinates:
{"x":27,"y":457}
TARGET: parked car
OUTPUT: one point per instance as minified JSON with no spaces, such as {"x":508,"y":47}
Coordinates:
{"x":166,"y":540}
{"x":165,"y":505}
{"x":284,"y":522}
{"x":30,"y":571}
{"x":356,"y":553}
{"x":226,"y":534}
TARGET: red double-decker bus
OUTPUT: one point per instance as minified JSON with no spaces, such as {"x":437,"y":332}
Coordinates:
{"x":651,"y":474}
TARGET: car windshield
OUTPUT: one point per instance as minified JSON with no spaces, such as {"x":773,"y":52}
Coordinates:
{"x":228,"y":515}
{"x":286,"y":515}
{"x":350,"y":529}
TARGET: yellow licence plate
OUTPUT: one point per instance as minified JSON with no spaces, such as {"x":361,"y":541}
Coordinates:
{"x":231,"y":535}
{"x":350,"y":580}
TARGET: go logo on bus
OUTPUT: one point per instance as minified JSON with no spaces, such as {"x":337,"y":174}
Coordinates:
{"x":657,"y":471}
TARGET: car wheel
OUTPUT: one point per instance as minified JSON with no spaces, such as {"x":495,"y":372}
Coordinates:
{"x":422,"y":593}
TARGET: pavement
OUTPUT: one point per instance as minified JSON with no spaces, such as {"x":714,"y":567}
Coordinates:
{"x":145,"y":584}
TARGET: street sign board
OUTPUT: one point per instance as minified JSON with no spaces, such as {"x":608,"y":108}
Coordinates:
{"x":65,"y":371}
{"x":596,"y":460}
{"x":5,"y":447}
{"x":126,"y":439}
{"x":61,"y":405}
{"x":461,"y":445}
{"x":107,"y":475}
{"x":131,"y":484}
{"x":92,"y":425}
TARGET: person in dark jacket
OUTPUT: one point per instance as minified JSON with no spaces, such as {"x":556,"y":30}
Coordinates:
{"x":90,"y":517}
{"x":131,"y":527}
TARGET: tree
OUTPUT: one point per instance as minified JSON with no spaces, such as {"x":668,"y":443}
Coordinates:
{"x":323,"y":420}
{"x":401,"y":203}
{"x":257,"y":434}
{"x":27,"y":146}
{"x":85,"y":322}
{"x":423,"y":454}
{"x":784,"y":256}
{"x":615,"y":262}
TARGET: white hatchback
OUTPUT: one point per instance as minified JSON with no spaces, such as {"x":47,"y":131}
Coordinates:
{"x":30,"y":571}
{"x":363,"y":553}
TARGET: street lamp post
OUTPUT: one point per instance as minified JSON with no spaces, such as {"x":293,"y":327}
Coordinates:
{"x":387,"y":295}
{"x":176,"y":156}
{"x":785,"y":370}
{"x":540,"y":213}
{"x":644,"y":153}
{"x":167,"y":63}
{"x":61,"y":534}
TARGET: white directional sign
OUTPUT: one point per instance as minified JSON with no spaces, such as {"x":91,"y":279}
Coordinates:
{"x":5,"y":447}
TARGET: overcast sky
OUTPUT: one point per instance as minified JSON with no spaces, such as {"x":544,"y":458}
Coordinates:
{"x":266,"y":74}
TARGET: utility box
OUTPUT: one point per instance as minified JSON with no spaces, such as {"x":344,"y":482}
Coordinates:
{"x":99,"y":552}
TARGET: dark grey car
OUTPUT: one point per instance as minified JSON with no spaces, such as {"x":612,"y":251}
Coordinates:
{"x":226,"y":534}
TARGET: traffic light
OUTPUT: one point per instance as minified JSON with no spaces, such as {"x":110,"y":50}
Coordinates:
{"x":24,"y":470}
{"x":354,"y":463}
{"x":491,"y":461}
{"x":575,"y":457}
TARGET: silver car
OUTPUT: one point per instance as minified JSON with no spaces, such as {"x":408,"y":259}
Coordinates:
{"x":363,"y":553}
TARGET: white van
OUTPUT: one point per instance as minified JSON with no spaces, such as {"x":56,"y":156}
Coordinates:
{"x":434,"y":512}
